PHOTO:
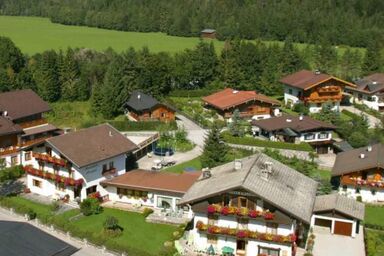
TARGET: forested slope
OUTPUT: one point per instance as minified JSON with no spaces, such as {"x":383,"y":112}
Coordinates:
{"x":348,"y":22}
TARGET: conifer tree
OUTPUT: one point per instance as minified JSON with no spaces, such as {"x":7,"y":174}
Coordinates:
{"x":215,"y":149}
{"x":373,"y":57}
{"x":46,"y":76}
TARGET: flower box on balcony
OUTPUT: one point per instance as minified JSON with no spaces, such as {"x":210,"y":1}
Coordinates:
{"x":239,"y":211}
{"x":244,"y":233}
{"x":54,"y":177}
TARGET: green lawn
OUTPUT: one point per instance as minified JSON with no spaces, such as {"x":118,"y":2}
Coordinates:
{"x":138,"y":236}
{"x":33,"y":35}
{"x":374,"y":215}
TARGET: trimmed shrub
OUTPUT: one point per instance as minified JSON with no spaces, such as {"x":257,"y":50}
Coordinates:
{"x":147,"y":212}
{"x":111,"y":223}
{"x":90,"y":206}
{"x":55,"y":205}
{"x":31,"y":214}
{"x":11,"y":173}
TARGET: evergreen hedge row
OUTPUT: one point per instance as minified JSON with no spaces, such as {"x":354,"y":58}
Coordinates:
{"x":248,"y":141}
{"x":191,"y":93}
{"x":141,"y":126}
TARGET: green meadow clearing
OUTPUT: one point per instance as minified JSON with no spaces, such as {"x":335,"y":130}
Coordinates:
{"x":34,"y":35}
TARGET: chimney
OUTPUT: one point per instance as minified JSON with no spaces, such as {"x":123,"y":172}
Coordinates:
{"x":138,"y":96}
{"x":369,"y":148}
{"x":301,"y":117}
{"x":238,"y":165}
{"x":317,"y":72}
{"x":267,"y":171}
{"x":206,"y":173}
{"x":374,"y":82}
{"x":289,"y":120}
{"x":110,"y":134}
{"x":362,"y":155}
{"x":235,"y":91}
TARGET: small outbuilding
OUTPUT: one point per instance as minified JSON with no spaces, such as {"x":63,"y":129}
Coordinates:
{"x":208,"y":33}
{"x":144,"y":107}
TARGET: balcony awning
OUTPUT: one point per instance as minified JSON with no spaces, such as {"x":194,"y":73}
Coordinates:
{"x":289,"y":132}
{"x":39,"y":129}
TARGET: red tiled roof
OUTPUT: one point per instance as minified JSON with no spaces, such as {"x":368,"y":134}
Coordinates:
{"x":305,"y":79}
{"x":229,"y":98}
{"x":155,"y":181}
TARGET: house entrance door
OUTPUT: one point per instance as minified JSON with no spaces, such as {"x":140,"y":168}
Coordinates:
{"x":240,"y":247}
{"x":77,"y":191}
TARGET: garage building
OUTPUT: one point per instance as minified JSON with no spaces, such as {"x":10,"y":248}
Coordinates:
{"x":340,"y":214}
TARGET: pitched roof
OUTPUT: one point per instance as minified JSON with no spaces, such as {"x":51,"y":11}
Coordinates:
{"x":8,"y":127}
{"x":371,"y":84}
{"x":140,"y":101}
{"x":155,"y":181}
{"x":286,"y":188}
{"x":305,"y":79}
{"x":229,"y":98}
{"x":91,"y":145}
{"x":39,"y":129}
{"x":23,"y":239}
{"x":292,"y":122}
{"x":350,"y":161}
{"x":22,"y":103}
{"x":341,"y":204}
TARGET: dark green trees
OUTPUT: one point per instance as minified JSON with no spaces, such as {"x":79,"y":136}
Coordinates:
{"x":215,"y":149}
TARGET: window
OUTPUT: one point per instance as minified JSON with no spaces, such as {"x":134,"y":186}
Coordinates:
{"x":105,"y":167}
{"x":27,"y":156}
{"x":272,"y":228}
{"x":212,"y":239}
{"x":226,"y":200}
{"x":164,"y":202}
{"x":242,"y":223}
{"x":309,"y":136}
{"x":36,"y":183}
{"x":48,"y":150}
{"x":111,"y":165}
{"x":269,"y":251}
{"x":14,"y":160}
{"x":242,"y":202}
{"x":344,"y":188}
{"x":323,"y":135}
{"x":357,"y":190}
{"x":212,"y":219}
{"x":60,"y":186}
{"x":373,"y":191}
{"x":290,"y":91}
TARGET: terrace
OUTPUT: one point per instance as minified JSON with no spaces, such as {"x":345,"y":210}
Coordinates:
{"x":357,"y":181}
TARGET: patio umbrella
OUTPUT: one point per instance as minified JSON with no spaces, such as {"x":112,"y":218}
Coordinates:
{"x":210,"y":250}
{"x":227,"y":250}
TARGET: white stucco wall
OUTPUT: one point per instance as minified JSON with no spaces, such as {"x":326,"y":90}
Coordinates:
{"x":334,"y":219}
{"x":291,"y":97}
{"x":201,"y":241}
{"x":365,"y":192}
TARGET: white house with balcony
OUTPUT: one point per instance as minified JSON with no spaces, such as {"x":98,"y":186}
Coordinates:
{"x":296,"y":129}
{"x":71,"y":166}
{"x":254,"y":206}
{"x":369,"y":91}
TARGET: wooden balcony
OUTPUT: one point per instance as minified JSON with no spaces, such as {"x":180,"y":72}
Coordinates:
{"x":67,"y":181}
{"x":358,"y":182}
{"x":33,"y":123}
{"x":331,"y":88}
{"x":112,"y":172}
{"x":26,"y":143}
{"x":8,"y":150}
{"x":49,"y":159}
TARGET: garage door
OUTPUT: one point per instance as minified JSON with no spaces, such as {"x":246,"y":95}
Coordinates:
{"x":323,"y":223}
{"x":343,"y":228}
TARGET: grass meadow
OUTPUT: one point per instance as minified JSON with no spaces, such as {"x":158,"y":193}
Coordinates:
{"x":34,"y":35}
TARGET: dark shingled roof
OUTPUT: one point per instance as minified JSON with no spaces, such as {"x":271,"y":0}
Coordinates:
{"x":341,"y":204}
{"x":295,"y":124}
{"x":155,"y":181}
{"x":371,"y":84}
{"x":140,"y":101}
{"x":23,"y":239}
{"x":22,"y":103}
{"x":350,"y":161}
{"x":91,"y":145}
{"x":305,"y":79}
{"x":8,"y":127}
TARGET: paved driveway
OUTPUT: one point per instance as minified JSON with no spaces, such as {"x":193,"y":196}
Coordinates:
{"x":327,"y":244}
{"x":196,"y":134}
{"x":372,"y":121}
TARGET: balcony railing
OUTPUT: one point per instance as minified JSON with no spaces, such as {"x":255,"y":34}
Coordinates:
{"x":244,"y":233}
{"x":347,"y":180}
{"x":34,"y":141}
{"x":33,"y":123}
{"x":8,"y":150}
{"x":67,"y":181}
{"x":49,"y":159}
{"x":109,"y":172}
{"x":239,"y":211}
{"x":329,"y":89}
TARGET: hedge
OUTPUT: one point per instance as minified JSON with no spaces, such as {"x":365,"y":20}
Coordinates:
{"x":141,"y":126}
{"x":191,"y":93}
{"x":350,"y":114}
{"x":248,"y":141}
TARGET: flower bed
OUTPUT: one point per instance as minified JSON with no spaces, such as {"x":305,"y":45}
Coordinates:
{"x":51,"y":176}
{"x":242,"y":212}
{"x":244,"y":233}
{"x":49,"y":159}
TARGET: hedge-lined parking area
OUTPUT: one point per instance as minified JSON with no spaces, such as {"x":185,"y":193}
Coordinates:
{"x":249,"y":141}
